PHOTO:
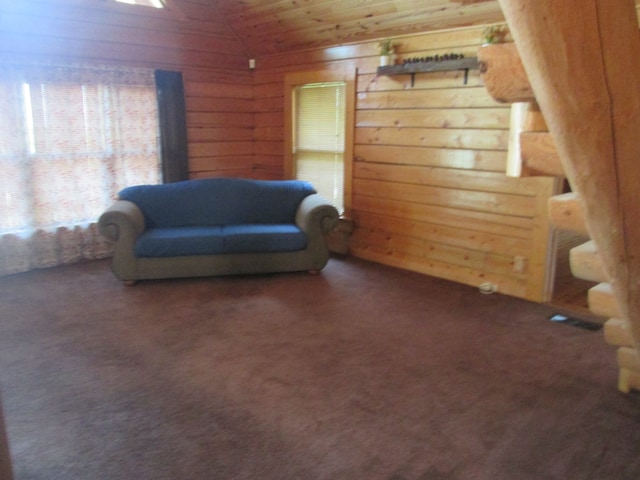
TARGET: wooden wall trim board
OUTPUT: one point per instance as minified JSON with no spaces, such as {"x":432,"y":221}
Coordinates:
{"x":291,"y":80}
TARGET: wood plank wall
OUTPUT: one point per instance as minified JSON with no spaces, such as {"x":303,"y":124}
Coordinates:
{"x":214,"y":64}
{"x":430,"y":193}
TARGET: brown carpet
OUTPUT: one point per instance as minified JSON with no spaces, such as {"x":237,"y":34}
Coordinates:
{"x":362,"y":372}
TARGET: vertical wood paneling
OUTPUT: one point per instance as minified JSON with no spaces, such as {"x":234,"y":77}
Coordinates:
{"x":429,"y":189}
{"x":218,"y":85}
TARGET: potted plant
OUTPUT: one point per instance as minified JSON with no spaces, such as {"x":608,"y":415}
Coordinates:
{"x":387,"y":51}
{"x":493,"y":34}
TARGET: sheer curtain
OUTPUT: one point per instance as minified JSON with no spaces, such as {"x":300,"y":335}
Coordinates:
{"x":70,"y":138}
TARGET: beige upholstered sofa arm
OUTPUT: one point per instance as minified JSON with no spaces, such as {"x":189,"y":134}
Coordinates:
{"x":120,"y":220}
{"x":316,"y":215}
{"x":123,"y":223}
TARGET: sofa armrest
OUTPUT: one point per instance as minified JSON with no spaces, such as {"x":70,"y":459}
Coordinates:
{"x":316,"y":215}
{"x":122,"y":221}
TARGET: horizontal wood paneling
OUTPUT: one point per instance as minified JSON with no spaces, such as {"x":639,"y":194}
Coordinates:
{"x":445,"y":216}
{"x":475,"y":139}
{"x":436,"y":195}
{"x":218,"y":89}
{"x":497,"y":118}
{"x":469,"y":180}
{"x":429,"y":189}
{"x":491,"y":160}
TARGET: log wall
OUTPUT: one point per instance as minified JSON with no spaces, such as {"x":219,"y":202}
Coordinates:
{"x":193,"y":40}
{"x":429,"y":190}
{"x":429,"y":187}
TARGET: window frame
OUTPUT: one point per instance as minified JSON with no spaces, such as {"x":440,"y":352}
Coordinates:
{"x":295,"y":79}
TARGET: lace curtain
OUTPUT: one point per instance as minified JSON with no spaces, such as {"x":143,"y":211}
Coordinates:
{"x":70,"y":138}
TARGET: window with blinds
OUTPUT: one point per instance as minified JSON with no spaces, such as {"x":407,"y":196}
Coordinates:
{"x":319,"y":138}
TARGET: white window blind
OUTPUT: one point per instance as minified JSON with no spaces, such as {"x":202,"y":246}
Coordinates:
{"x":319,"y":138}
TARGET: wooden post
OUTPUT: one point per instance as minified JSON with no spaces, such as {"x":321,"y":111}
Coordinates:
{"x":583,"y":60}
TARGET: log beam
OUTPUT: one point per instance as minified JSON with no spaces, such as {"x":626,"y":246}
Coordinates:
{"x":602,"y":301}
{"x":539,"y":155}
{"x":503,"y":74}
{"x":585,"y":262}
{"x":583,"y":60}
{"x":534,"y":122}
{"x":565,"y":213}
{"x":616,"y":333}
{"x":629,"y":363}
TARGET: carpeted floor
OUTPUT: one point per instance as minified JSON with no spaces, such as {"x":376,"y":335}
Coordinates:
{"x":362,"y":372}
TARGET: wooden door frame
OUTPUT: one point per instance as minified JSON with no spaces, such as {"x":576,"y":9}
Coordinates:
{"x":292,"y":80}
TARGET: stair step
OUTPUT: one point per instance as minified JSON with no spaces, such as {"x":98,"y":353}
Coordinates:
{"x":539,"y":155}
{"x":628,"y":380}
{"x":585,"y":262}
{"x":534,"y":120}
{"x":503,"y":73}
{"x":565,"y":213}
{"x":629,"y":374}
{"x":602,"y":301}
{"x":628,"y":358}
{"x":616,"y":332}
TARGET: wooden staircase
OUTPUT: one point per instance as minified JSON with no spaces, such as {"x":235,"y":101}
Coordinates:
{"x":533,"y":152}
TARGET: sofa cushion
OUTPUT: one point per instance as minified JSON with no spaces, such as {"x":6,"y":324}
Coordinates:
{"x":257,"y":238}
{"x":263,"y":238}
{"x":172,"y":241}
{"x":218,"y":201}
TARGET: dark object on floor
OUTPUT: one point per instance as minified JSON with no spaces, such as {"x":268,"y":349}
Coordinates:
{"x":575,"y":322}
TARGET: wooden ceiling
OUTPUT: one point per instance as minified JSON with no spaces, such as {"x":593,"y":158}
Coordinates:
{"x":273,"y":26}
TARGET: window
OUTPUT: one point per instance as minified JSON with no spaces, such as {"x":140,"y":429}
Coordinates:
{"x":70,"y":139}
{"x":318,"y":146}
{"x":318,"y":138}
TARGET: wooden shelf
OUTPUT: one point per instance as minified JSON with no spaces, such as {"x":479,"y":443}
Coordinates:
{"x":465,"y":64}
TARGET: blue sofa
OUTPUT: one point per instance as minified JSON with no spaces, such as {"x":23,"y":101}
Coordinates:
{"x":217,"y":226}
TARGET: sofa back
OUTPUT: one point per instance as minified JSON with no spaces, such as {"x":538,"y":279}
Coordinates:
{"x":218,"y":201}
